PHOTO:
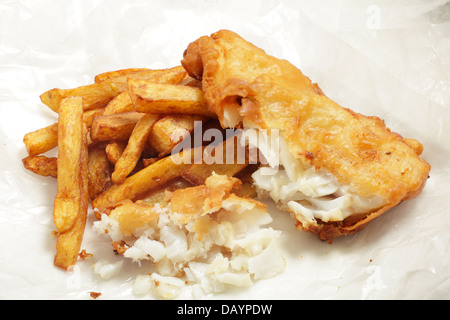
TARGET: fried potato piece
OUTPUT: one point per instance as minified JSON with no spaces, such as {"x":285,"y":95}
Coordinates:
{"x":100,"y":93}
{"x":42,"y":140}
{"x":136,"y":143}
{"x":71,"y":201}
{"x":89,"y":115}
{"x":71,"y":141}
{"x":100,"y":169}
{"x":148,"y":161}
{"x":215,"y":160}
{"x":145,"y":180}
{"x":45,"y":139}
{"x":121,"y":103}
{"x":170,"y":130}
{"x":114,"y":127}
{"x":151,"y":97}
{"x":114,"y":150}
{"x":117,"y":73}
{"x":41,"y":165}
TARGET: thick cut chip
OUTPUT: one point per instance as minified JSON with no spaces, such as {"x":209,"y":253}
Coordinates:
{"x":121,"y":103}
{"x":145,"y":180}
{"x":71,"y":201}
{"x":70,"y":144}
{"x":134,"y":148}
{"x":42,"y":140}
{"x":115,"y":126}
{"x":41,"y":165}
{"x":100,"y":93}
{"x":114,"y":150}
{"x":99,"y":176}
{"x":45,"y":139}
{"x":117,"y":73}
{"x":170,"y":130}
{"x":227,"y":158}
{"x":151,"y":97}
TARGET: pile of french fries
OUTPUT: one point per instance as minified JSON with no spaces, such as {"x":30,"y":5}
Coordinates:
{"x":115,"y":140}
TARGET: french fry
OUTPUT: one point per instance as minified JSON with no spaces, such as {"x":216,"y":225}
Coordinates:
{"x":145,"y":180}
{"x":94,"y":95}
{"x":71,"y":200}
{"x":100,"y":93}
{"x":197,"y":173}
{"x":42,"y":140}
{"x":45,"y":139}
{"x":170,"y":130}
{"x":89,"y":115}
{"x":117,"y":73}
{"x":152,"y":97}
{"x":99,"y":175}
{"x":114,"y":150}
{"x":41,"y":165}
{"x":69,"y":243}
{"x":135,"y":146}
{"x":148,"y":161}
{"x":71,"y":141}
{"x":121,"y":103}
{"x":115,"y":126}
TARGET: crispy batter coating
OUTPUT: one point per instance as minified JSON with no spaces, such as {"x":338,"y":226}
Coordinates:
{"x":246,"y":87}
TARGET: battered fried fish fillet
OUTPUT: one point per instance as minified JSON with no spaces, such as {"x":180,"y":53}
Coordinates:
{"x":335,"y":170}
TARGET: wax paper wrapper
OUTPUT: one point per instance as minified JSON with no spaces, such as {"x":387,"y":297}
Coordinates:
{"x":389,"y":59}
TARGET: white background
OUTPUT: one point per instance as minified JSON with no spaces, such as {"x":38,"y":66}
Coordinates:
{"x":385,"y":58}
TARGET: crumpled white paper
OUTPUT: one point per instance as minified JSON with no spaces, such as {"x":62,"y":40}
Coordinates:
{"x":385,"y":58}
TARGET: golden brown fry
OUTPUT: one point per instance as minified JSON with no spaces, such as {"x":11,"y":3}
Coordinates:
{"x":145,"y":180}
{"x":114,"y":127}
{"x":151,"y":97}
{"x":117,"y":73}
{"x":69,"y":243}
{"x":121,"y":103}
{"x":89,"y":115}
{"x":70,"y":143}
{"x":42,"y":165}
{"x":42,"y":140}
{"x":114,"y":150}
{"x":170,"y":130}
{"x":135,"y":146}
{"x":45,"y":139}
{"x":71,"y":201}
{"x":216,"y":161}
{"x":100,"y":93}
{"x":167,"y":76}
{"x":148,"y":161}
{"x":99,"y":176}
{"x":94,"y":95}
